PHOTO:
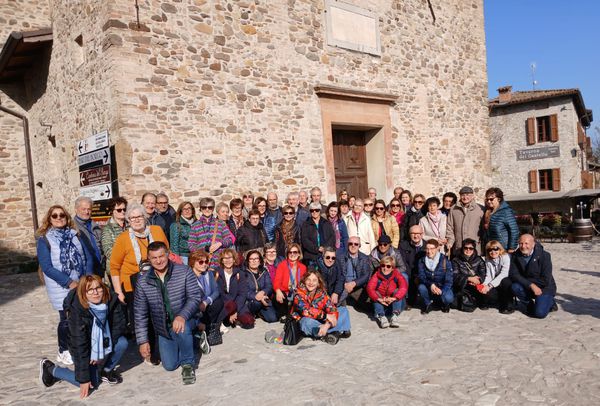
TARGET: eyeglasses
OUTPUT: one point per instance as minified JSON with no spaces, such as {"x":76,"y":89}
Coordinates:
{"x":330,"y":257}
{"x":468,"y":248}
{"x":254,"y":259}
{"x":493,"y":249}
{"x":380,"y":208}
{"x":387,"y":266}
{"x":207,"y":207}
{"x":136,"y":218}
{"x":288,"y":213}
{"x":58,"y":216}
{"x":202,"y":261}
{"x":294,"y":252}
{"x":418,"y":202}
{"x":353,"y":244}
{"x":270,"y":252}
{"x":162,"y":202}
{"x":394,"y":205}
{"x":120,"y":210}
{"x":315,"y":210}
{"x":248,"y":197}
{"x":384,"y":244}
{"x":95,"y":289}
{"x":490,"y":199}
{"x":369,"y":204}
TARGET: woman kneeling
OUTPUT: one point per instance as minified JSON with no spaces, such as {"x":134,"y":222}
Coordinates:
{"x":318,"y":317}
{"x":97,"y":327}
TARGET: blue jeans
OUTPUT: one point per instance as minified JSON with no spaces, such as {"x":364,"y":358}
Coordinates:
{"x":310,"y":327}
{"x":543,"y":303}
{"x":396,"y":307}
{"x":178,"y":349}
{"x":446,"y":297}
{"x":110,"y":362}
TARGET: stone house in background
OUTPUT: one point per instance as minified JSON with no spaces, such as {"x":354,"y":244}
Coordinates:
{"x":218,"y":97}
{"x":540,"y":149}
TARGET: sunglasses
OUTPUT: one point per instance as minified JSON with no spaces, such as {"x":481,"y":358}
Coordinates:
{"x":394,"y":205}
{"x":330,"y":257}
{"x":120,"y":210}
{"x":380,"y":208}
{"x":493,"y":249}
{"x":202,"y":261}
{"x":384,"y":244}
{"x":469,"y":248}
{"x":387,"y":266}
{"x":419,"y":202}
{"x":353,"y":244}
{"x":294,"y":252}
{"x":248,"y":197}
{"x":288,"y":213}
{"x":369,"y":204}
{"x":58,"y":216}
{"x":207,"y":207}
{"x":490,"y":199}
{"x":315,"y":210}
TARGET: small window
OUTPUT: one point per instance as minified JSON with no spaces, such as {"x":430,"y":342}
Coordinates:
{"x":545,"y":176}
{"x":544,"y":128}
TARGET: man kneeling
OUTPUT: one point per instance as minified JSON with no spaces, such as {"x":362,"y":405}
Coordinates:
{"x":170,"y":295}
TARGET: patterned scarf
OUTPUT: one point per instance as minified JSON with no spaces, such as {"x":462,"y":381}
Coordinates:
{"x":287,"y":228}
{"x":336,"y":229}
{"x":70,"y":256}
{"x":100,"y":331}
{"x":434,"y":220}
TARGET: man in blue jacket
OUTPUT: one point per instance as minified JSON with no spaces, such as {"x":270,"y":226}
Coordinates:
{"x":90,"y":235}
{"x":531,"y":274}
{"x":358,"y":268}
{"x":168,"y":294}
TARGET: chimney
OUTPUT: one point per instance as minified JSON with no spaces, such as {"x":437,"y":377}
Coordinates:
{"x":504,"y":94}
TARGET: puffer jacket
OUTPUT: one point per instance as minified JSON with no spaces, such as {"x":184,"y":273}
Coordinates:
{"x":184,"y":297}
{"x":238,"y":288}
{"x":80,"y":331}
{"x":179,"y":236}
{"x":464,"y":268}
{"x":503,"y":228}
{"x":441,"y":275}
{"x":250,"y":237}
{"x":334,"y":277}
{"x":390,"y":226}
{"x":364,"y":268}
{"x":257,"y":282}
{"x":538,"y":270}
{"x":316,"y":307}
{"x":391,"y":252}
{"x":392,"y":285}
{"x":313,"y":238}
{"x":270,"y":222}
{"x":110,"y":232}
{"x":412,"y":218}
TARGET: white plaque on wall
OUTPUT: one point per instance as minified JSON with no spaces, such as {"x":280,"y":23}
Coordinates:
{"x":352,"y":28}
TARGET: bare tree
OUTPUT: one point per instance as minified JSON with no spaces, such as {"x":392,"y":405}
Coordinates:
{"x":595,"y":136}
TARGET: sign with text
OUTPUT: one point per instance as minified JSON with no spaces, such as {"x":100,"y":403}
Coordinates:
{"x":94,"y":176}
{"x":93,"y":143}
{"x":93,"y":159}
{"x":538,"y":153}
{"x":97,"y":192}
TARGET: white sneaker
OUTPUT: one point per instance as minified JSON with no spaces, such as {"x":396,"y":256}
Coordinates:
{"x":383,"y":321}
{"x":395,"y":321}
{"x":64,"y":358}
{"x":223,"y":329}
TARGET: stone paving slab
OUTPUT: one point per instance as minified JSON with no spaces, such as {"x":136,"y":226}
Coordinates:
{"x":481,"y":358}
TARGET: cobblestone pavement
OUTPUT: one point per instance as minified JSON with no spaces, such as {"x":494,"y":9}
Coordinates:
{"x":481,"y":358}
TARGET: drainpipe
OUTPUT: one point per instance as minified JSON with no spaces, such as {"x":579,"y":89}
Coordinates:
{"x":29,"y":163}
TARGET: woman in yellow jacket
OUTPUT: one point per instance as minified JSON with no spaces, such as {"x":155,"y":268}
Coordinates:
{"x":383,"y":223}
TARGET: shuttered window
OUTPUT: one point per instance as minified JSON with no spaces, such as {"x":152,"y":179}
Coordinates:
{"x":549,"y":180}
{"x":530,"y":130}
{"x":533,"y":187}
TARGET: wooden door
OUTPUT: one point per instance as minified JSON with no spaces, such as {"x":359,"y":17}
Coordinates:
{"x":350,"y":162}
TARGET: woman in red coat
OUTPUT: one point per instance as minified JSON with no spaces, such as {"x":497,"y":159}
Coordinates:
{"x":387,"y":289}
{"x":287,"y":279}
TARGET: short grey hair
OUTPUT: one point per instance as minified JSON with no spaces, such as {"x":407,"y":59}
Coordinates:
{"x":133,"y":207}
{"x":315,"y":205}
{"x":315,"y":189}
{"x":292,"y":194}
{"x":82,"y":199}
{"x":162,"y":194}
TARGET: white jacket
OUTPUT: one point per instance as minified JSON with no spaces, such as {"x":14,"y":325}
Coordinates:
{"x":364,"y":231}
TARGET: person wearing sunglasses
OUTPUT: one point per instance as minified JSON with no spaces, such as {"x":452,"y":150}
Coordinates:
{"x":387,"y":289}
{"x":260,"y":287}
{"x":62,"y":261}
{"x":185,"y":216}
{"x":369,"y":206}
{"x":469,"y":271}
{"x":90,"y":235}
{"x":293,"y":200}
{"x":464,"y":222}
{"x":499,"y":222}
{"x":288,"y":231}
{"x":211,"y":312}
{"x":209,"y":233}
{"x":414,"y":214}
{"x":97,"y":338}
{"x":397,"y":212}
{"x":332,"y":273}
{"x":315,"y":234}
{"x":496,"y":288}
{"x":287,"y":277}
{"x":359,"y":225}
{"x":116,"y":224}
{"x":384,"y":224}
{"x":248,"y":199}
{"x":385,"y":249}
{"x":357,"y":268}
{"x":435,"y":278}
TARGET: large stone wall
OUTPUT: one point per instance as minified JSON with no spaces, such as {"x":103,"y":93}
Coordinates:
{"x":508,"y":135}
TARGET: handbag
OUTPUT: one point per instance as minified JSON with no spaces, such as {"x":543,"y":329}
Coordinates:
{"x":213,"y":335}
{"x":291,"y":331}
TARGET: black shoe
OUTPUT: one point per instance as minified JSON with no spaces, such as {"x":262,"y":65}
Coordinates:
{"x":345,"y":334}
{"x":408,"y":308}
{"x":426,"y":309}
{"x":484,"y":307}
{"x":46,"y":377}
{"x":507,"y":310}
{"x":445,"y":309}
{"x":111,"y":377}
{"x":332,"y":338}
{"x":554,"y":307}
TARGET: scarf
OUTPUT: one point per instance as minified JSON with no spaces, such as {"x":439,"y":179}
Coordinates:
{"x":189,"y":221}
{"x":70,"y":254}
{"x":287,"y":228}
{"x":432,"y":263}
{"x":434,"y":221}
{"x":336,"y":229}
{"x":100,"y":332}
{"x":204,"y":282}
{"x":133,"y":236}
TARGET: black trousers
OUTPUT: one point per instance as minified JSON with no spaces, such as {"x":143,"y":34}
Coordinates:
{"x":502,"y":296}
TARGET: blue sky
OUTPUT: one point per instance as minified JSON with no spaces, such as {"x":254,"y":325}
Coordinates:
{"x":562,"y":37}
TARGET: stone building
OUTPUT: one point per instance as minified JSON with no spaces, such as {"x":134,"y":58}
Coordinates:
{"x":540,"y":149}
{"x":214,"y":97}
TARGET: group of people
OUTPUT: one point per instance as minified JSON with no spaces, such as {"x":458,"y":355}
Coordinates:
{"x":177,"y":280}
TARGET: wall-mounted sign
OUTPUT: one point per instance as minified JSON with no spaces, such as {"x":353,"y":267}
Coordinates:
{"x":93,"y":159}
{"x":93,"y":143}
{"x":94,"y":176}
{"x":538,"y":153}
{"x":97,"y":192}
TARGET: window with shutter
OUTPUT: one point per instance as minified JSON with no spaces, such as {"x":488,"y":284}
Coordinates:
{"x":554,"y":128}
{"x":533,"y":187}
{"x":545,"y":176}
{"x":530,"y":131}
{"x":543,"y":129}
{"x":556,"y":180}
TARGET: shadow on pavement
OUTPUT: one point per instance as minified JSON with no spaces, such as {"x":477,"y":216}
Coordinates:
{"x":13,"y":287}
{"x":579,"y":305}
{"x":591,"y":273}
